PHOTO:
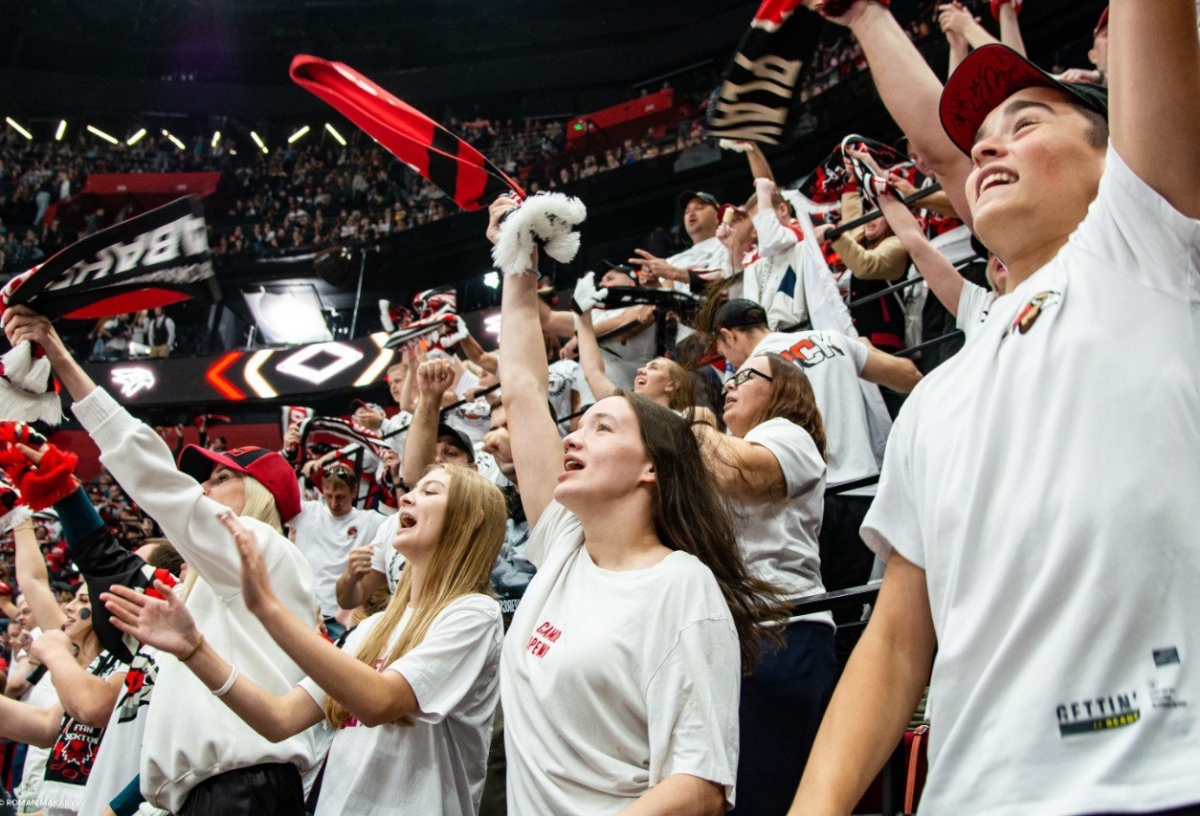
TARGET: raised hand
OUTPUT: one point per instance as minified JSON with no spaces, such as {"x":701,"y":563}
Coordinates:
{"x":455,"y":337}
{"x":587,"y":296}
{"x":359,"y":563}
{"x":51,"y":641}
{"x":164,"y":623}
{"x":434,"y":377}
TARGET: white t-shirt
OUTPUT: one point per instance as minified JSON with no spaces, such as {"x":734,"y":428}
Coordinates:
{"x":974,"y":304}
{"x":401,"y":419}
{"x":1045,"y":479}
{"x":437,"y":765}
{"x":41,"y":694}
{"x":622,"y":358}
{"x":566,"y":376}
{"x":599,"y":706}
{"x":709,"y":254}
{"x":326,"y":541}
{"x":384,"y":557}
{"x":832,"y":363}
{"x":778,"y":538}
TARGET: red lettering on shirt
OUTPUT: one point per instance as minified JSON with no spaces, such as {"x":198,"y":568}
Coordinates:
{"x":544,"y":635}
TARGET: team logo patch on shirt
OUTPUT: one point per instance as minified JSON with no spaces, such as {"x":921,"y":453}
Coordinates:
{"x":1098,"y":714}
{"x":1038,"y":304}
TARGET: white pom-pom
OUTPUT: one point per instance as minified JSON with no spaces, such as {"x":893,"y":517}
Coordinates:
{"x":547,"y":220}
{"x":25,"y":392}
{"x":384,"y":317}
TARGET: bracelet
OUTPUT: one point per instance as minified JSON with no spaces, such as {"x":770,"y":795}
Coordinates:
{"x":192,"y":653}
{"x":224,"y":689}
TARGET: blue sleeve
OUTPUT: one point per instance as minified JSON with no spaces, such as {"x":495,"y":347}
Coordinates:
{"x":78,"y":517}
{"x":127,"y":801}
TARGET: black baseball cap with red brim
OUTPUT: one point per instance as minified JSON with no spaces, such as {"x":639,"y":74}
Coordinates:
{"x":265,"y":465}
{"x":989,"y":76}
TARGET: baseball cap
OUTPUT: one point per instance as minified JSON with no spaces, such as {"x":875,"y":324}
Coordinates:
{"x":267,"y":466}
{"x":1102,"y":23}
{"x":458,"y":438}
{"x":624,"y":269}
{"x":990,"y":75}
{"x":370,"y":406}
{"x":740,"y":313}
{"x":707,"y":198}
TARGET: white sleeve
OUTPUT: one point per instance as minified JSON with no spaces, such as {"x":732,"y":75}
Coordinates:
{"x":794,"y":450}
{"x":773,"y":237}
{"x":892,"y":521}
{"x":972,"y":303}
{"x":692,"y":701}
{"x":557,"y":527}
{"x":444,"y":667}
{"x":141,"y":462}
{"x":381,"y":542}
{"x":1135,"y":231}
{"x":856,"y":351}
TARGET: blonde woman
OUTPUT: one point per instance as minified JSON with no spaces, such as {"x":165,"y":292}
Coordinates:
{"x":415,"y":688}
{"x":198,"y":758}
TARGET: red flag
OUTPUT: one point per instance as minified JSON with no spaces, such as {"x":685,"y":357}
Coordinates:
{"x":452,"y":165}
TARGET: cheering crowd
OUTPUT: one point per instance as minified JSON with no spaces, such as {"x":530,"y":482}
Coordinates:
{"x":549,"y":585}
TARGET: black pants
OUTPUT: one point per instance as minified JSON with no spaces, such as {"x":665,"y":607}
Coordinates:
{"x":780,"y":708}
{"x":845,"y":559}
{"x":270,"y":789}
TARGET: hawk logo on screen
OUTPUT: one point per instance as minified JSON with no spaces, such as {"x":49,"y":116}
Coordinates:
{"x":133,"y":381}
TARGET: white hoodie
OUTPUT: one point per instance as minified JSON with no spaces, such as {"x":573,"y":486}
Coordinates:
{"x":190,"y":734}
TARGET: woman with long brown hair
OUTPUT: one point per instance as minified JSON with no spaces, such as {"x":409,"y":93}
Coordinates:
{"x":771,"y":466}
{"x":413,"y":692}
{"x":621,"y":667}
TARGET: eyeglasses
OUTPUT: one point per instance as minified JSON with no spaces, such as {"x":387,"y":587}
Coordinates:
{"x":743,"y":377}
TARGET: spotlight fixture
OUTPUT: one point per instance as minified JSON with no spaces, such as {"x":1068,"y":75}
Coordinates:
{"x":258,"y":141}
{"x":299,"y":134}
{"x":62,"y":129}
{"x":337,"y":136}
{"x":18,"y":128}
{"x":135,"y":138}
{"x":95,"y":131}
{"x":216,"y":138}
{"x":173,"y":139}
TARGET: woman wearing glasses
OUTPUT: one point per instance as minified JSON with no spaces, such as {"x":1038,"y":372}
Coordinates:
{"x":772,"y":467}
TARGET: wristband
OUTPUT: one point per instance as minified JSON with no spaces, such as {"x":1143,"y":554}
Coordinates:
{"x":224,"y":689}
{"x":192,"y":653}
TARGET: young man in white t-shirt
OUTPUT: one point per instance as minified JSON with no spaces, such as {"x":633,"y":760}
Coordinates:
{"x":1038,"y":496}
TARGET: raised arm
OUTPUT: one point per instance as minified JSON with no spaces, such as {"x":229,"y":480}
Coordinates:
{"x":944,"y":280}
{"x":744,"y":471}
{"x":34,"y":579}
{"x":537,"y":447}
{"x":30,"y":724}
{"x":487,"y":360}
{"x":910,"y":91}
{"x":590,"y":359}
{"x":1154,"y":76}
{"x":87,"y":698}
{"x":167,"y":625}
{"x":875,"y":698}
{"x":434,"y":378}
{"x":1010,"y":28}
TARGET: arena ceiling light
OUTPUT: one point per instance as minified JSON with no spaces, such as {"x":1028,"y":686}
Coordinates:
{"x":216,"y":139}
{"x":135,"y":138}
{"x":337,"y":136}
{"x":18,"y":128}
{"x":62,"y":130}
{"x":173,"y":139}
{"x":95,"y":131}
{"x":299,"y":134}
{"x":491,"y":279}
{"x":288,"y":314}
{"x":258,"y":141}
{"x":491,"y":324}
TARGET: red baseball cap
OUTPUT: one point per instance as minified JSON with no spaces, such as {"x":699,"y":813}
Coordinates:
{"x":1102,"y":23}
{"x":990,"y":75}
{"x":267,"y":466}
